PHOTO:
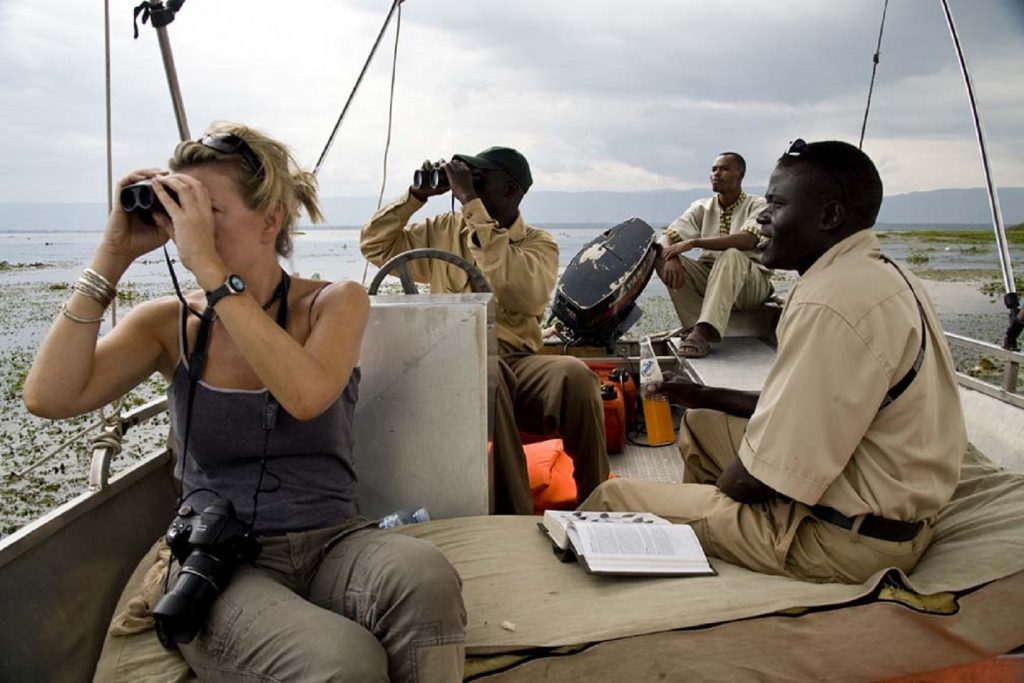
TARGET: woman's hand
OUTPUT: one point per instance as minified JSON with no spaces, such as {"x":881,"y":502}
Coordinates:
{"x":190,"y":224}
{"x":127,"y":237}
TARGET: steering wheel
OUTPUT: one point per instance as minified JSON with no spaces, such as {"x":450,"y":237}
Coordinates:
{"x":477,"y":281}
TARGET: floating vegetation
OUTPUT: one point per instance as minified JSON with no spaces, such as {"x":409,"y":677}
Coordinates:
{"x":996,"y":288}
{"x":7,"y":265}
{"x":918,"y":258}
{"x":984,"y":366}
{"x":1014,"y":235}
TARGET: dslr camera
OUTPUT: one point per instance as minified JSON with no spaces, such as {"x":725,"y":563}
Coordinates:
{"x":209,"y":547}
{"x":140,"y":199}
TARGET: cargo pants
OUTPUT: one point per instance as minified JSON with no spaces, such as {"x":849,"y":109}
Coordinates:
{"x":779,"y":536}
{"x":336,"y":604}
{"x":550,"y":396}
{"x":712,"y":290}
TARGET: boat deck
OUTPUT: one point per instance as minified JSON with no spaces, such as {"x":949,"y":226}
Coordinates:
{"x":738,"y":362}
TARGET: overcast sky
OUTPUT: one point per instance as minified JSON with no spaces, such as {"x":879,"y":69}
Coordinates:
{"x":599,"y":94}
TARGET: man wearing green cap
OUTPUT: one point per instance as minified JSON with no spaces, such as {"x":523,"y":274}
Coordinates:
{"x":540,"y":394}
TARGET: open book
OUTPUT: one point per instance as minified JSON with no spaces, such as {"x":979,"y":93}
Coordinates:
{"x":625,"y":543}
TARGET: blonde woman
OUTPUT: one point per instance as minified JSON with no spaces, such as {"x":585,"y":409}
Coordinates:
{"x":262,"y":402}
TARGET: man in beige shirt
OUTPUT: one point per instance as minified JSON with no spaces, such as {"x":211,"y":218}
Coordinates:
{"x":728,"y":274}
{"x":838,"y":468}
{"x":540,"y":394}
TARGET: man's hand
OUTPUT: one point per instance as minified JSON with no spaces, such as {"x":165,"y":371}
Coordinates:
{"x":460,"y":177}
{"x":425,"y":192}
{"x":682,"y":391}
{"x":682,"y":247}
{"x":692,"y":395}
{"x":737,"y":483}
{"x":670,"y":270}
{"x":667,"y":264}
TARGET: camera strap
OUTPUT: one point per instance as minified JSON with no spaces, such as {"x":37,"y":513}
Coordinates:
{"x":197,"y":361}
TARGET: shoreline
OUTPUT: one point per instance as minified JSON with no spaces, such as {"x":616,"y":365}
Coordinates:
{"x":965,"y":298}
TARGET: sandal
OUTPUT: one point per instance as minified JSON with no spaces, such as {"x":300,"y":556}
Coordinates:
{"x":694,"y":348}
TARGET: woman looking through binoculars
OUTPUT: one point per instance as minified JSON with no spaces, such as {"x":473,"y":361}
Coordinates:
{"x":262,"y":374}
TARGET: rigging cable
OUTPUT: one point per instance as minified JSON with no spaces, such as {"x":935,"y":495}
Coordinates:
{"x":1011,"y":298}
{"x":874,"y":68}
{"x":359,"y":80}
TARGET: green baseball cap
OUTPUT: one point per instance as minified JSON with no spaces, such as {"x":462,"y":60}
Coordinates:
{"x":501,"y":158}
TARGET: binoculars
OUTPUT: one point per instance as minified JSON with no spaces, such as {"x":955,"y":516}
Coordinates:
{"x":435,"y":178}
{"x":140,"y":199}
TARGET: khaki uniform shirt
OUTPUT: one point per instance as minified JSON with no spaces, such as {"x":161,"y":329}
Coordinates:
{"x":849,"y":331}
{"x":520,"y":263}
{"x":704,"y":219}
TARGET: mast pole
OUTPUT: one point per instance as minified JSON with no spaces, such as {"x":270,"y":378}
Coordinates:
{"x":172,"y":83}
{"x":161,"y":14}
{"x":1011,"y":298}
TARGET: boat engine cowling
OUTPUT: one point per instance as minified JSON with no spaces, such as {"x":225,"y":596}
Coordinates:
{"x":595,"y":299}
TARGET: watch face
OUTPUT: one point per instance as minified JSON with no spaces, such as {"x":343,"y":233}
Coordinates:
{"x":236,"y":284}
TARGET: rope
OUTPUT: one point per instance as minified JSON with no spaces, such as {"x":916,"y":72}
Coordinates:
{"x":391,"y":108}
{"x":111,"y":439}
{"x":387,"y":143}
{"x":59,"y":448}
{"x":874,"y":68}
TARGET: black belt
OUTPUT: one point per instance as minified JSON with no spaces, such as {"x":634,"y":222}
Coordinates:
{"x":873,"y":525}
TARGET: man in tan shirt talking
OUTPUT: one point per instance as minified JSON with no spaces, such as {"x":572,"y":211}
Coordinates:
{"x":540,"y":394}
{"x":728,"y":274}
{"x":838,"y":468}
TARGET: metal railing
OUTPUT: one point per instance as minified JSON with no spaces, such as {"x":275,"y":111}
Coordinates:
{"x":1008,"y":392}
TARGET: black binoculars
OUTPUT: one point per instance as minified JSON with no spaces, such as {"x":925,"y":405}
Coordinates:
{"x":437,"y":178}
{"x":140,"y":199}
{"x":434,"y":178}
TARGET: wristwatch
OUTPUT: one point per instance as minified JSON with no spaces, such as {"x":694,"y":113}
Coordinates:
{"x":232,"y":285}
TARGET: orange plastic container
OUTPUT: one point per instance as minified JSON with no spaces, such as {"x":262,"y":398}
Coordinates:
{"x":618,"y":390}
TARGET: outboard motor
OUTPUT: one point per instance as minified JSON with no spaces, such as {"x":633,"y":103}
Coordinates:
{"x":595,"y":297}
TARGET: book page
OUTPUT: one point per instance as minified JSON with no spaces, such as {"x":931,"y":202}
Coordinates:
{"x":639,"y":547}
{"x":557,"y":521}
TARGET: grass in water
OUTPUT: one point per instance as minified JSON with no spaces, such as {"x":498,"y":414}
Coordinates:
{"x":1014,"y":235}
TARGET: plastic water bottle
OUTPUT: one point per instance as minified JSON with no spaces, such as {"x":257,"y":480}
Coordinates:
{"x":402,"y":517}
{"x":657,"y":414}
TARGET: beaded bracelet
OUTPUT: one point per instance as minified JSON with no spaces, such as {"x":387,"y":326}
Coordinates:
{"x":71,"y":316}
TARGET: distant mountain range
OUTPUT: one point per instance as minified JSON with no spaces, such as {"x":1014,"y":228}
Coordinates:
{"x":657,"y":207}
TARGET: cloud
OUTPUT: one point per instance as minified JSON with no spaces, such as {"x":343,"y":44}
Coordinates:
{"x":599,"y":94}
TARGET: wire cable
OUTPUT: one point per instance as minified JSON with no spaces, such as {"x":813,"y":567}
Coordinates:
{"x":874,"y":68}
{"x":391,"y":109}
{"x":359,"y":80}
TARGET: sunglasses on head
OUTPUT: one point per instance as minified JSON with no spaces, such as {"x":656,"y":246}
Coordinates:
{"x":229,"y":143}
{"x":799,"y":149}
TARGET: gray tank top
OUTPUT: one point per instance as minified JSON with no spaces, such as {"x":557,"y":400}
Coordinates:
{"x":309,"y":463}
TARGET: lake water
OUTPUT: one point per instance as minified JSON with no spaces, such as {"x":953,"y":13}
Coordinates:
{"x":333,"y":253}
{"x":36,"y":268}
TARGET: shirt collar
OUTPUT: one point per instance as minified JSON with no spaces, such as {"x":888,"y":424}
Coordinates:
{"x":517,"y":231}
{"x":743,"y":195}
{"x":862,"y":241}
